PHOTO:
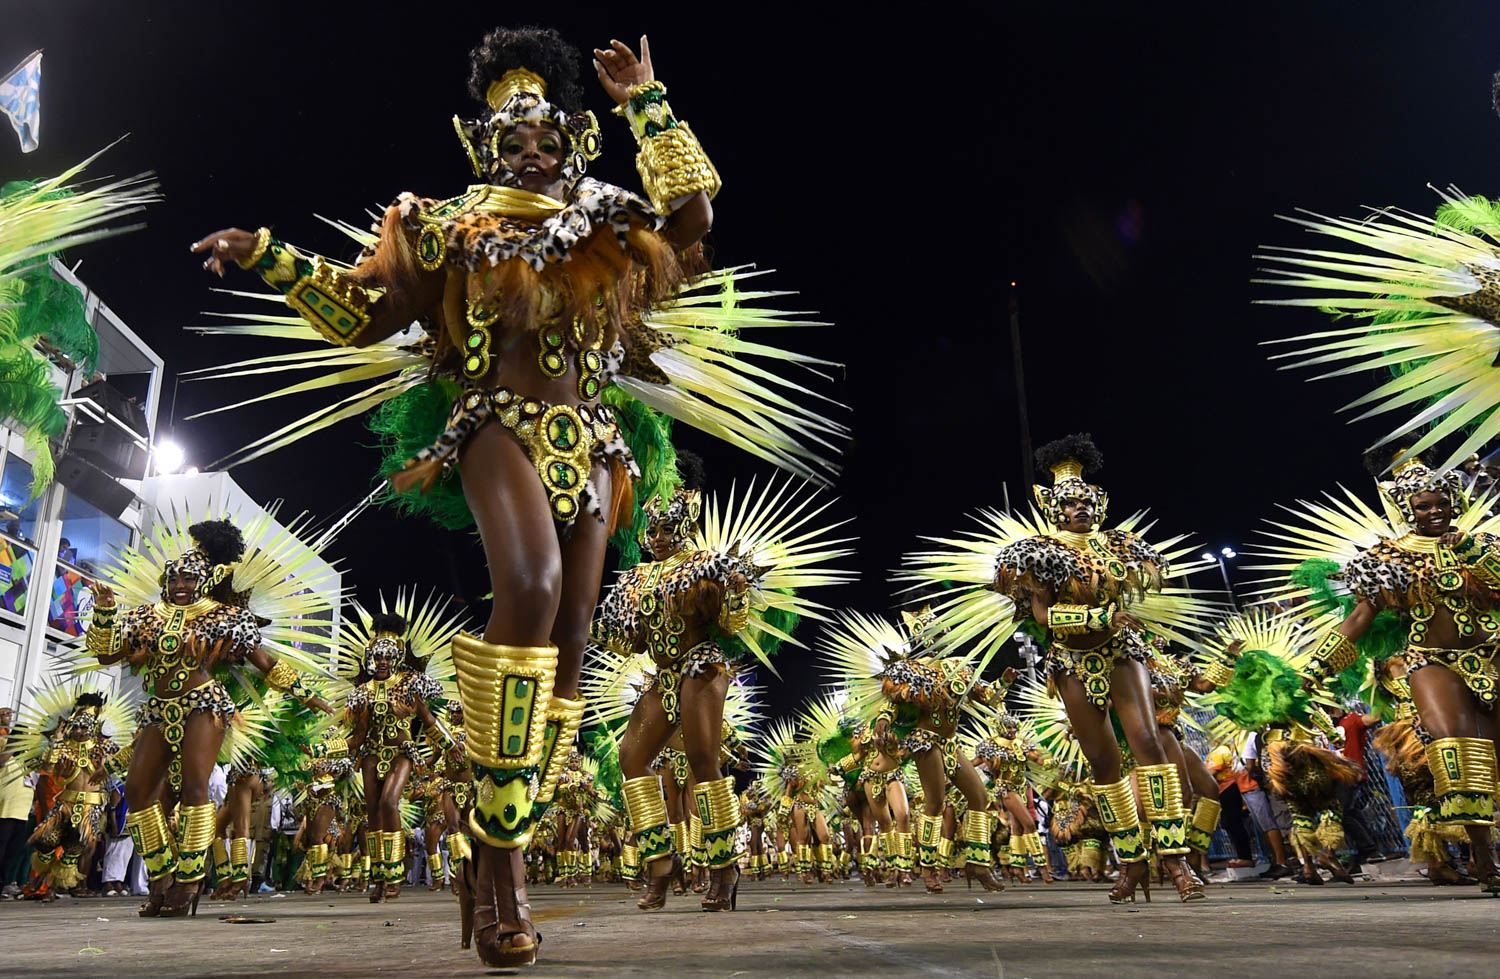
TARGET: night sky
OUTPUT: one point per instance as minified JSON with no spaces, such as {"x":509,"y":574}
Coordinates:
{"x":898,"y":171}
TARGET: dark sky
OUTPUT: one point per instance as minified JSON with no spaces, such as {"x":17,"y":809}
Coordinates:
{"x":898,"y":169}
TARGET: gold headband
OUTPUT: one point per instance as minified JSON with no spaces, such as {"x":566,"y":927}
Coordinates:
{"x":386,"y":634}
{"x":513,"y":83}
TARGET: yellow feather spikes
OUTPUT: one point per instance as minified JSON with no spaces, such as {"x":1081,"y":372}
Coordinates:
{"x":1408,"y":262}
{"x":775,"y":531}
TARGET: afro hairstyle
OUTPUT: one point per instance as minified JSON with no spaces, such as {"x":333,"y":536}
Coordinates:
{"x":1079,"y":447}
{"x":538,"y":49}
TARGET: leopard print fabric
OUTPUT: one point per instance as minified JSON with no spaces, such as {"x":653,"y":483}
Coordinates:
{"x":1391,"y":576}
{"x":141,"y":626}
{"x":621,"y":620}
{"x":1122,"y":566}
{"x":476,"y":240}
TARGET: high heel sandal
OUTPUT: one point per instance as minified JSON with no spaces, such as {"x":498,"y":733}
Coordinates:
{"x":984,"y":875}
{"x":1124,"y":890}
{"x":184,"y":901}
{"x":930,"y":880}
{"x":500,"y":898}
{"x":1337,"y":870}
{"x":655,"y":896}
{"x":717,"y":899}
{"x":157,"y":895}
{"x":1189,"y":887}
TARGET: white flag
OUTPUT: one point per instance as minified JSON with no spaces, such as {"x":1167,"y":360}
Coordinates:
{"x":20,"y":100}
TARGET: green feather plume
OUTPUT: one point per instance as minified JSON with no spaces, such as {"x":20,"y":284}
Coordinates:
{"x":1265,"y":690}
{"x":777,"y":618}
{"x":648,"y":433}
{"x":406,"y":424}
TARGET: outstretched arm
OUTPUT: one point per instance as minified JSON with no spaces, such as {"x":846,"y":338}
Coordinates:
{"x":377,"y":299}
{"x":282,"y":676}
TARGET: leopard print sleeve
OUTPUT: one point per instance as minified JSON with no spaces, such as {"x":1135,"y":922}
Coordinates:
{"x":1379,"y":577}
{"x":423,"y":687}
{"x":357,"y":699}
{"x":136,"y":628}
{"x":1022,"y":567}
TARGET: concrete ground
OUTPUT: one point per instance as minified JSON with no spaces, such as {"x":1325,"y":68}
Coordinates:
{"x":1372,"y":929}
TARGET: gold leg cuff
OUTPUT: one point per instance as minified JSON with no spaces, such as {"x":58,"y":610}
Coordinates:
{"x":647,"y":811}
{"x":505,"y":691}
{"x":719,"y":813}
{"x":239,"y":858}
{"x":1463,"y":777}
{"x":195,"y":834}
{"x":1161,"y":788}
{"x":979,"y":827}
{"x":563,"y":718}
{"x":1205,"y":820}
{"x":1116,"y":803}
{"x":153,"y":841}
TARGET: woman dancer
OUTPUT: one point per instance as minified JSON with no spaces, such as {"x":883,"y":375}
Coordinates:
{"x":1096,"y":592}
{"x":712,"y":597}
{"x":73,"y":735}
{"x":398,"y":661}
{"x":916,"y":692}
{"x":536,"y":287}
{"x":1003,"y":751}
{"x":1420,"y":587}
{"x":212,"y":600}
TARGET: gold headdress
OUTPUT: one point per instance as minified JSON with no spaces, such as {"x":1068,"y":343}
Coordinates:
{"x":520,"y":97}
{"x":1069,"y":460}
{"x":681,"y":513}
{"x":513,"y":83}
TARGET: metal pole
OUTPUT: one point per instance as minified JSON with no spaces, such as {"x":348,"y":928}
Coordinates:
{"x":1022,"y":414}
{"x":1224,"y":570}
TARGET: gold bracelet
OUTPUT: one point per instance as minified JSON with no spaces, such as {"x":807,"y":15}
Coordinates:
{"x":262,"y":242}
{"x":673,"y":165}
{"x":1487,"y":569}
{"x":282,"y":676}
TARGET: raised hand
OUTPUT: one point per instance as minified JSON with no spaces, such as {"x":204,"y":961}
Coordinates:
{"x":620,"y":70}
{"x":104,"y":596}
{"x":229,"y":245}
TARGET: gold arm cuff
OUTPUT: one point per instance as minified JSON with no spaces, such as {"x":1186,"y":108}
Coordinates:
{"x":673,"y":165}
{"x":1075,"y":620}
{"x":734,"y":614}
{"x":262,"y":242}
{"x":282,"y":676}
{"x":332,"y":303}
{"x":1487,"y":569}
{"x":1219,"y":674}
{"x":1335,"y":654}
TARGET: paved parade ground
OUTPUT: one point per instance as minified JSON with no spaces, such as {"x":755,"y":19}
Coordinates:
{"x":1371,"y":929}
